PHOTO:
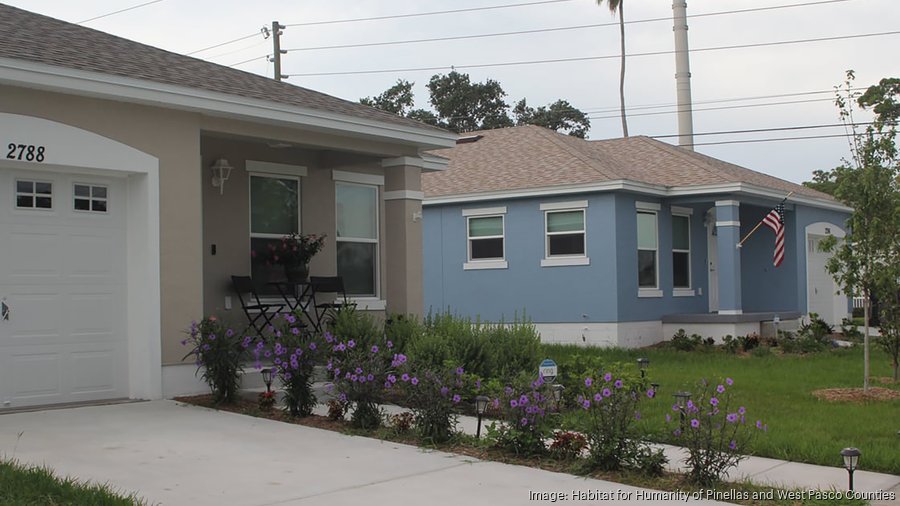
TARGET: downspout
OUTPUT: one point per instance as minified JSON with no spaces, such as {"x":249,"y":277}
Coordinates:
{"x":683,"y":75}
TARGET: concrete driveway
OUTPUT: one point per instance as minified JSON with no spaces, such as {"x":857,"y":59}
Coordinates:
{"x":169,"y":453}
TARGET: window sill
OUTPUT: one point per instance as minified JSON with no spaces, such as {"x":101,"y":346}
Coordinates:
{"x":485,"y":264}
{"x":368,"y":303}
{"x":647,"y":293}
{"x":683,"y":292}
{"x":565,"y":261}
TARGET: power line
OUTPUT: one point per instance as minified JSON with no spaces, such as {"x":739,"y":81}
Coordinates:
{"x":758,"y":130}
{"x":592,"y":58}
{"x":609,"y":109}
{"x":419,"y":14}
{"x":545,"y":30}
{"x":788,"y":102}
{"x":244,"y":48}
{"x":232,"y":41}
{"x":118,"y":11}
{"x":249,"y":60}
{"x":771,"y":139}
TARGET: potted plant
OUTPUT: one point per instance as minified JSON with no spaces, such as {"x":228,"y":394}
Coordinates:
{"x":294,"y":253}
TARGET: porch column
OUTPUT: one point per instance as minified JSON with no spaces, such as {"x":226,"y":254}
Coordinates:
{"x":403,"y":225}
{"x":728,"y":227}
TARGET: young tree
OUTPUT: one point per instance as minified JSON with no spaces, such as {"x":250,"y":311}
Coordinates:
{"x":866,"y":262}
{"x":617,"y":6}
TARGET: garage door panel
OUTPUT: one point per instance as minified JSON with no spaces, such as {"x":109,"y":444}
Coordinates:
{"x":93,"y":372}
{"x":33,"y":317}
{"x":35,"y":254}
{"x":36,"y":374}
{"x":93,"y":257}
{"x":88,"y":313}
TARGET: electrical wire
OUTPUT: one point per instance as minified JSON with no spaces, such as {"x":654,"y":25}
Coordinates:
{"x":546,"y":30}
{"x":771,"y":139}
{"x":758,"y":130}
{"x":722,"y":108}
{"x":118,"y":11}
{"x":232,"y":41}
{"x":249,"y":60}
{"x":398,"y":16}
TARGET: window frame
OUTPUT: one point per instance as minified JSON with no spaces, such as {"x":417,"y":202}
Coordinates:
{"x":683,"y":291}
{"x":649,"y":208}
{"x":34,"y":194}
{"x":265,"y":235}
{"x":485,"y":263}
{"x":90,"y":198}
{"x":363,"y":182}
{"x":565,"y":260}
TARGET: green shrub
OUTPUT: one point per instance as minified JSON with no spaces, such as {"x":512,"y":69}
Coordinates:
{"x":816,"y":328}
{"x":730,"y":344}
{"x":402,"y":329}
{"x":522,"y":411}
{"x":350,"y":323}
{"x":434,"y":399}
{"x":761,"y":351}
{"x":849,"y":330}
{"x":749,"y":342}
{"x":567,"y":445}
{"x":219,"y":353}
{"x":681,"y":341}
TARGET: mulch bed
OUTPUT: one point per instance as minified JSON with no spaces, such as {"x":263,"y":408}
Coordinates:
{"x":248,"y":407}
{"x":856,"y":394}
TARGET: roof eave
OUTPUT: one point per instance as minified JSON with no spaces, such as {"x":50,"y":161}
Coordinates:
{"x":28,"y":74}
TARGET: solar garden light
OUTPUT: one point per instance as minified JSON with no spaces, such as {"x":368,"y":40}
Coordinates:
{"x":557,"y":394}
{"x":851,"y":460}
{"x":267,"y":378}
{"x":643,"y":363}
{"x":681,"y":399}
{"x":481,"y":403}
{"x":655,"y":387}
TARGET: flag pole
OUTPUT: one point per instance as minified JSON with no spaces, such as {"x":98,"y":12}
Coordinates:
{"x":760,"y":223}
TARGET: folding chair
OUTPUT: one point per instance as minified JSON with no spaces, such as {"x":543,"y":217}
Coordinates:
{"x":327,"y":284}
{"x":244,"y":287}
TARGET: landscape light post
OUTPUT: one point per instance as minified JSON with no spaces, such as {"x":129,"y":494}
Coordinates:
{"x":481,"y":403}
{"x":851,"y":461}
{"x":681,"y":399}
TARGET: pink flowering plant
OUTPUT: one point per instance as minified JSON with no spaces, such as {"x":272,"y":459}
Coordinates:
{"x":296,"y":249}
{"x":522,"y":411}
{"x":362,"y":374}
{"x":292,"y":352}
{"x":435,"y":399}
{"x":716,"y":430}
{"x":610,"y":401}
{"x":219,"y":353}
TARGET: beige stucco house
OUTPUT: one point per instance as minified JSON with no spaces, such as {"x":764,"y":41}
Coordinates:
{"x":113,"y":234}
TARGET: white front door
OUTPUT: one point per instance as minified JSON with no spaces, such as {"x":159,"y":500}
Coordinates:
{"x":712,"y":256}
{"x":823,"y":294}
{"x":63,"y":280}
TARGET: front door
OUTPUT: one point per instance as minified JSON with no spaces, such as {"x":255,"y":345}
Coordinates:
{"x":712,"y":256}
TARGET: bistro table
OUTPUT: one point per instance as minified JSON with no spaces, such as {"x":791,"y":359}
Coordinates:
{"x":298,"y":295}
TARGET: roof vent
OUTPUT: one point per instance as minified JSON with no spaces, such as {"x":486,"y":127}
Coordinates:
{"x":469,"y":139}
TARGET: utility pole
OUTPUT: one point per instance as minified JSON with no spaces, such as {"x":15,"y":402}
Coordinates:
{"x":683,"y":76}
{"x":277,"y":51}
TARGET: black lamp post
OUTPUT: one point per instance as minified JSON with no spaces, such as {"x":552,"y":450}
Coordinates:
{"x":643,"y":363}
{"x":851,"y":460}
{"x":481,"y":403}
{"x":267,"y":378}
{"x":557,"y":394}
{"x":681,"y":399}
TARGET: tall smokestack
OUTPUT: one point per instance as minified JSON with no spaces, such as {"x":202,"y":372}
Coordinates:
{"x":683,"y":75}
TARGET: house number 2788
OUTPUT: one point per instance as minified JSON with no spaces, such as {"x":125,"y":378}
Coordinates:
{"x":27,"y":152}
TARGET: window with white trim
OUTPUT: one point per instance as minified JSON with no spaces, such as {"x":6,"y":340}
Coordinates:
{"x":357,"y":237}
{"x":485,"y":234}
{"x":90,"y":198}
{"x":648,"y":243}
{"x":274,"y":213}
{"x":565,"y":233}
{"x":681,"y":251}
{"x":34,"y":194}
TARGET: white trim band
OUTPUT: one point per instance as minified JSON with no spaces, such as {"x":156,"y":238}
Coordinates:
{"x":723,"y":203}
{"x":404,"y":195}
{"x":403,"y":161}
{"x":565,"y":261}
{"x":728,"y":224}
{"x":253,"y":166}
{"x":485,"y":264}
{"x":683,"y":292}
{"x":647,"y":206}
{"x":357,"y":177}
{"x":555,"y":206}
{"x":649,"y":293}
{"x":682,"y":211}
{"x":484,"y":211}
{"x":731,"y":311}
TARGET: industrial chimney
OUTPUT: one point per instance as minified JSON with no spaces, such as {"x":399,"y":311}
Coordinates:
{"x":683,"y":75}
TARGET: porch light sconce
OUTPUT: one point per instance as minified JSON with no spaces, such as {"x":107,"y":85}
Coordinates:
{"x":267,"y":378}
{"x":481,"y":403}
{"x":851,"y":461}
{"x":221,"y":170}
{"x":643,"y":363}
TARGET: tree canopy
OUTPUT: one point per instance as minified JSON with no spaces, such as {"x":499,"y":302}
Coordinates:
{"x":461,"y":105}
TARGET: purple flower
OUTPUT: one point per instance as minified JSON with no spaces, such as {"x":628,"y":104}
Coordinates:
{"x":731,"y":417}
{"x":390,"y":345}
{"x":618,"y":384}
{"x":404,"y":377}
{"x":212,"y":337}
{"x":351,"y":344}
{"x":668,"y":418}
{"x":720,"y":389}
{"x":732,"y":445}
{"x":651,"y":393}
{"x":391,"y":378}
{"x":598,"y":397}
{"x":312,"y":346}
{"x":607,"y":392}
{"x":607,"y":377}
{"x":374,"y":349}
{"x":729,"y":381}
{"x":675,"y":407}
{"x":676,"y":432}
{"x":523,"y":400}
{"x":444,"y":391}
{"x":370,"y":377}
{"x":588,"y":382}
{"x":586,"y":404}
{"x":695,"y":423}
{"x":353,"y":377}
{"x":759,"y":424}
{"x":478,"y":384}
{"x":714,"y":401}
{"x":414,"y":381}
{"x":456,"y":398}
{"x":358,"y":370}
{"x":229,"y":333}
{"x":690,"y":404}
{"x":387,"y":384}
{"x":267,"y":354}
{"x":742,"y":410}
{"x":459,"y":371}
{"x":513,"y":403}
{"x":287,"y":376}
{"x":524,"y":422}
{"x":328,"y":337}
{"x":637,"y":415}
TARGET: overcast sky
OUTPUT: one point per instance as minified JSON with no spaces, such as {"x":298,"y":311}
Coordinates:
{"x":718,"y":76}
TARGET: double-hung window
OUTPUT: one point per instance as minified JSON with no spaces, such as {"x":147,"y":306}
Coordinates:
{"x":681,"y":251}
{"x":485,"y":238}
{"x":565,"y":234}
{"x":274,"y":213}
{"x":648,"y":249}
{"x":357,"y":237}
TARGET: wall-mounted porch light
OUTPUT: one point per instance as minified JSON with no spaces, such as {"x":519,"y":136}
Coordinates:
{"x":221,"y":170}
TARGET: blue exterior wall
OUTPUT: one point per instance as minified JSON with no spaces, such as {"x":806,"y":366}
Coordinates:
{"x":607,"y":289}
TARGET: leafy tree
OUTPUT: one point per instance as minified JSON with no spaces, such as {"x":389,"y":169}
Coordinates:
{"x":823,"y":181}
{"x":559,"y":116}
{"x":614,"y":6}
{"x":463,"y":106}
{"x":866,"y":262}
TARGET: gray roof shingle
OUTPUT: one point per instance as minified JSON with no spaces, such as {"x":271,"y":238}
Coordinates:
{"x":33,"y":37}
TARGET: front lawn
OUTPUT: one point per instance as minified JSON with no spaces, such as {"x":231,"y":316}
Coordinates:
{"x":30,"y":485}
{"x":777,"y":389}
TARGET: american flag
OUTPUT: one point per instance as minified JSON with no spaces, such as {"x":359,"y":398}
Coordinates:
{"x":775,"y":221}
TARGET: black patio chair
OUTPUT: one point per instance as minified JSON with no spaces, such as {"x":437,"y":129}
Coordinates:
{"x":327,"y":285}
{"x":253,"y":307}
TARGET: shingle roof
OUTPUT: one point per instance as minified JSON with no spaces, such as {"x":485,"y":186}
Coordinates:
{"x":531,"y":157}
{"x":28,"y":36}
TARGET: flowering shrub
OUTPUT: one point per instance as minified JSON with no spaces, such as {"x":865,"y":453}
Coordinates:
{"x":522,"y":411}
{"x":610,"y":402}
{"x":715,"y":434}
{"x":567,"y":445}
{"x":293,"y":353}
{"x":296,"y":248}
{"x":434,"y":399}
{"x":218,"y":352}
{"x":402,"y":422}
{"x":266,"y":400}
{"x":362,"y":374}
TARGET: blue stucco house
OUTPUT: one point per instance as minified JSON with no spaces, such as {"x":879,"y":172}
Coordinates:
{"x":620,"y":242}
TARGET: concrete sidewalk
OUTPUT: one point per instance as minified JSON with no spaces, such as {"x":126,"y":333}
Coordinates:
{"x":171,"y":454}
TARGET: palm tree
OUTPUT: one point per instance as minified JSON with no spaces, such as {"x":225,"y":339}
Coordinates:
{"x":616,"y":5}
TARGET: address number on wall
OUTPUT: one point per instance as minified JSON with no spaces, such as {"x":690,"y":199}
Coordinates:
{"x":27,"y":152}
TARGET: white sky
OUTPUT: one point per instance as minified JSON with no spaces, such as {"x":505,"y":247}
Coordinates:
{"x":592,"y":86}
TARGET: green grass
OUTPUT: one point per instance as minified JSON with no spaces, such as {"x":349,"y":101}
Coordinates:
{"x":778,"y":390}
{"x":22,"y":485}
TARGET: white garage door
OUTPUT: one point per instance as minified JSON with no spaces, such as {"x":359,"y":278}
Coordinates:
{"x":62,"y":287}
